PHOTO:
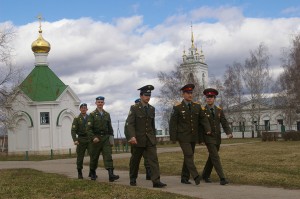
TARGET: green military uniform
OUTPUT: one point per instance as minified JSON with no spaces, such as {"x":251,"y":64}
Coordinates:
{"x":99,"y":125}
{"x":79,"y":134}
{"x":141,"y":125}
{"x":216,"y":118}
{"x":184,"y":128}
{"x":146,"y":163}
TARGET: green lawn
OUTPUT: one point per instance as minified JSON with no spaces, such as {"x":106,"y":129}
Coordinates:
{"x":32,"y":184}
{"x":259,"y":163}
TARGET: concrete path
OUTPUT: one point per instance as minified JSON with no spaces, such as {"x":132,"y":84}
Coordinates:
{"x":204,"y":190}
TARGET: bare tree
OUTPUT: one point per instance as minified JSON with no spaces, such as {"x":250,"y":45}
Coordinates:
{"x":288,"y":83}
{"x":257,"y":79}
{"x":10,"y":76}
{"x":233,"y":92}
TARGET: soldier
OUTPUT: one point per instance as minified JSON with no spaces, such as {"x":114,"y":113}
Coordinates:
{"x":185,"y":120}
{"x":99,"y":129}
{"x":146,"y":163}
{"x":141,"y":128}
{"x":80,"y":137}
{"x":212,"y":141}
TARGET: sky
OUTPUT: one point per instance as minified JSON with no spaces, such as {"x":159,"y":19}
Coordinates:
{"x":112,"y":48}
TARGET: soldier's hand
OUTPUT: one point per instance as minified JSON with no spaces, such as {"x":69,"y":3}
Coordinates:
{"x":230,"y":136}
{"x":132,"y":140}
{"x":76,"y":142}
{"x":96,"y":140}
{"x":208,"y":133}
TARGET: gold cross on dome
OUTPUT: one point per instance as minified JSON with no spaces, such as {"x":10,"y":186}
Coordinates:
{"x":40,"y":18}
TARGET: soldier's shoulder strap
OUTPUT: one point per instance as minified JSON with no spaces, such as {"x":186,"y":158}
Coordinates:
{"x":93,"y":113}
{"x":219,"y":108}
{"x":203,"y":108}
{"x":196,"y":103}
{"x":177,"y":103}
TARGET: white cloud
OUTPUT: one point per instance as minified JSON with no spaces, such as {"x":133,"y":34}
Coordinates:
{"x":115,"y":59}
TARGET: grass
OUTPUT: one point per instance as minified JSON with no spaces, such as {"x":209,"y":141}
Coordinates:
{"x":27,"y":183}
{"x":275,"y":164}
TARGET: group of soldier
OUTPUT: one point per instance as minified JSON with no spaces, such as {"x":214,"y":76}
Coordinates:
{"x":189,"y":124}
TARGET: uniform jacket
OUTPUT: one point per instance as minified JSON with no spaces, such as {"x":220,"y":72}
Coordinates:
{"x":215,"y":123}
{"x":141,"y":125}
{"x":99,"y":125}
{"x":79,"y":128}
{"x":184,"y":123}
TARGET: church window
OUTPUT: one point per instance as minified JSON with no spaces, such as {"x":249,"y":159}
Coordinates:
{"x":45,"y":118}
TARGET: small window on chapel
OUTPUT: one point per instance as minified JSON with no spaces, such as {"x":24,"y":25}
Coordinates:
{"x":45,"y":118}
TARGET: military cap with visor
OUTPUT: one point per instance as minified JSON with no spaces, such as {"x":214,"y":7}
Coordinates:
{"x":188,"y":88}
{"x":146,"y":90}
{"x":210,"y":92}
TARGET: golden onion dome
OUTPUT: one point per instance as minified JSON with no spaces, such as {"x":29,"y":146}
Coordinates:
{"x":40,"y":45}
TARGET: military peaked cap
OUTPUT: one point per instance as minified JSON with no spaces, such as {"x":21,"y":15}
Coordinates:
{"x":210,"y":92}
{"x":146,"y":90}
{"x":188,"y":88}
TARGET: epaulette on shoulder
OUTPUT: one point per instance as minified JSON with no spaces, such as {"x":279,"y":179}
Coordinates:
{"x":197,"y":103}
{"x":203,"y":108}
{"x":177,"y":103}
{"x":219,"y":108}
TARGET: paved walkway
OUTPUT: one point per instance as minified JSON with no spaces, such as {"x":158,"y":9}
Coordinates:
{"x":204,"y":190}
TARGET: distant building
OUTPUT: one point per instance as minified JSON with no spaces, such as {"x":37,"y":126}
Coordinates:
{"x":193,"y":66}
{"x":271,"y":117}
{"x":42,"y":112}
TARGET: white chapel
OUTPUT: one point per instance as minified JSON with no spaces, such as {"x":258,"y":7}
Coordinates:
{"x":42,"y":111}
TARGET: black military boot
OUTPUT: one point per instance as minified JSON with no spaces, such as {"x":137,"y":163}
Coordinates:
{"x":93,"y":174}
{"x":90,"y":174}
{"x":148,"y":173}
{"x":197,"y":180}
{"x":80,"y":174}
{"x":112,"y":176}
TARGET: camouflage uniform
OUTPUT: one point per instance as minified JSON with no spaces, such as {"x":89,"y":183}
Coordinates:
{"x":79,"y":134}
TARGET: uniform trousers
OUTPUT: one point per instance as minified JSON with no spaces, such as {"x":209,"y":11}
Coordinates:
{"x":146,"y":163}
{"x":188,"y":167}
{"x":213,"y":161}
{"x":83,"y":146}
{"x":104,"y":147}
{"x":151,"y":154}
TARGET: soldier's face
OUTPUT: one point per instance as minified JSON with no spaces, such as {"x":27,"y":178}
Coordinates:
{"x":210,"y":100}
{"x":187,"y":96}
{"x":145,"y":99}
{"x":99,"y":104}
{"x":83,"y":110}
